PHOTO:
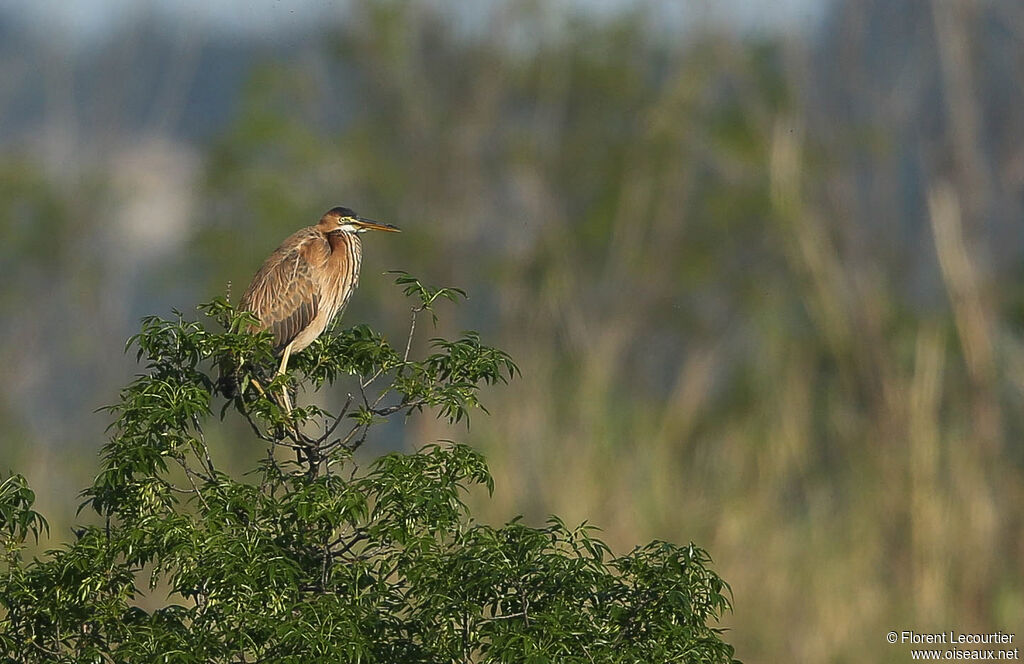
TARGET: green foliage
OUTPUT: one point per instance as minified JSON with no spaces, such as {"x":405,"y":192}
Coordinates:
{"x":426,"y":295}
{"x":17,"y":519}
{"x":322,"y":558}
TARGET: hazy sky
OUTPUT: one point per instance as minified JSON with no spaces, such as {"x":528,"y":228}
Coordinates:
{"x":85,"y":20}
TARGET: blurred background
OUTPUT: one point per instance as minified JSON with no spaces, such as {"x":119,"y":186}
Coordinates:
{"x":760,"y":263}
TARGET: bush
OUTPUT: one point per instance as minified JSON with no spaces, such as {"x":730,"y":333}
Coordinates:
{"x":323,"y":558}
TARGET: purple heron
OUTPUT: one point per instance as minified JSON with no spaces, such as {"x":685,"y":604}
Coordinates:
{"x":308,"y":280}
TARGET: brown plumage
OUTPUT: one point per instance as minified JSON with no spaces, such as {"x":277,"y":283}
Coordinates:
{"x":308,"y":280}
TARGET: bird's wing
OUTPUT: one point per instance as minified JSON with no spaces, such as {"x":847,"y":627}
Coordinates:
{"x":284,"y":294}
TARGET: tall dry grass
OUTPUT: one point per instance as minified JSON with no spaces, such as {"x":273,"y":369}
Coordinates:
{"x":757,"y":374}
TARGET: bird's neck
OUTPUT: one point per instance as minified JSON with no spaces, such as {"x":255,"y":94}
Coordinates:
{"x":344,"y":242}
{"x":347,"y":250}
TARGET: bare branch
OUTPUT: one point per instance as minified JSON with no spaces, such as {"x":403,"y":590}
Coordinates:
{"x":337,"y":420}
{"x":412,"y":331}
{"x":190,"y":474}
{"x":384,"y":412}
{"x":202,"y":441}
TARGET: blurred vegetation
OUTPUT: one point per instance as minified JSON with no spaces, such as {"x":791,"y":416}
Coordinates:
{"x":765,"y":291}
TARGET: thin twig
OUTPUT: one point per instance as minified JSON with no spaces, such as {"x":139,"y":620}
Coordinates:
{"x":188,"y":474}
{"x":384,"y":412}
{"x":342,"y":442}
{"x":265,"y":486}
{"x":337,"y":420}
{"x":367,"y":554}
{"x":412,"y":330}
{"x":362,"y":392}
{"x":206,"y":478}
{"x":202,"y":441}
{"x":508,"y":616}
{"x":362,"y":439}
{"x":358,"y":536}
{"x":326,"y":567}
{"x":405,"y":358}
{"x":255,"y":428}
{"x":375,"y":376}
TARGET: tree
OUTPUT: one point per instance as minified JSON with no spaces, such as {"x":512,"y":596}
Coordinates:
{"x":324,"y":558}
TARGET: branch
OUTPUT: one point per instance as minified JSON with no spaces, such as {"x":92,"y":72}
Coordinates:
{"x":359,"y":535}
{"x":255,"y":428}
{"x":342,"y":442}
{"x":189,"y":473}
{"x":202,"y":441}
{"x":509,"y":616}
{"x":337,"y":420}
{"x":326,"y":567}
{"x":405,"y":357}
{"x":384,"y":412}
{"x":412,"y":331}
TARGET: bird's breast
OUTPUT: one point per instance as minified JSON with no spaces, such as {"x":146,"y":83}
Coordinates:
{"x":343,"y":265}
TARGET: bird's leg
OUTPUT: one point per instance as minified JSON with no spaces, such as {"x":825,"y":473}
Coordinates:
{"x":300,"y":454}
{"x":284,"y":364}
{"x":259,"y":388}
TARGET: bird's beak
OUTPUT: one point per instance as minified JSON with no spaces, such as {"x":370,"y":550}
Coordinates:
{"x":372,"y":225}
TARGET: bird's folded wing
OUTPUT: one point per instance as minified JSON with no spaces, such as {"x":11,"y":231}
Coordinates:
{"x":284,"y":295}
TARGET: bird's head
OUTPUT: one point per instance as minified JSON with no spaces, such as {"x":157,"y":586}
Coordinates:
{"x":344,"y":220}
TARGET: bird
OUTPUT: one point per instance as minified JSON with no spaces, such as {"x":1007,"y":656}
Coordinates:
{"x":308,"y":280}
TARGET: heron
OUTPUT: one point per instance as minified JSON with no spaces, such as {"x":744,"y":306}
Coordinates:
{"x":308,"y":280}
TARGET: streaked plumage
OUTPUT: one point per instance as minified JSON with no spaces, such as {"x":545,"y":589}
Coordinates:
{"x":308,"y":280}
